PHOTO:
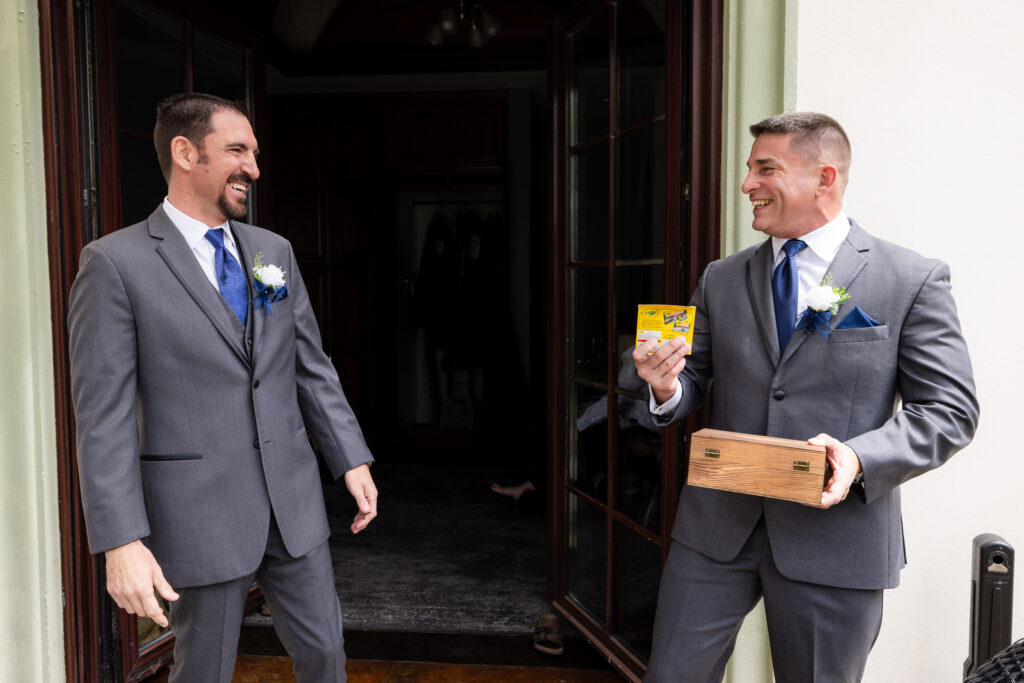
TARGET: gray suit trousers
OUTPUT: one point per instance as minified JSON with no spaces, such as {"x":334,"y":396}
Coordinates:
{"x":817,"y":633}
{"x":304,"y":605}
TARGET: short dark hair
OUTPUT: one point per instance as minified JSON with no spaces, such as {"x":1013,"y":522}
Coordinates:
{"x":814,"y":135}
{"x":188,"y":114}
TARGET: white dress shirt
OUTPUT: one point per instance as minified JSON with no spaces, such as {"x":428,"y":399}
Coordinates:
{"x":812,"y":264}
{"x":194,"y":233}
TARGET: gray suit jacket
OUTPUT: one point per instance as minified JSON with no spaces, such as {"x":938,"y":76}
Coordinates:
{"x":187,"y":438}
{"x":848,"y":386}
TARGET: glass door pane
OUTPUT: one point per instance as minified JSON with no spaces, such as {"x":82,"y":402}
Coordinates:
{"x":589,"y":81}
{"x":588,"y":202}
{"x":641,"y":48}
{"x":588,"y":328}
{"x":640,"y":195}
{"x":636,"y":569}
{"x":587,"y":467}
{"x":586,"y":555}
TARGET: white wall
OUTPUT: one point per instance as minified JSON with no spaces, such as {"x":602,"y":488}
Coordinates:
{"x":931,"y":96}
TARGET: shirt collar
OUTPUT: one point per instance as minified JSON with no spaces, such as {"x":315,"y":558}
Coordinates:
{"x":824,"y":241}
{"x":192,"y":230}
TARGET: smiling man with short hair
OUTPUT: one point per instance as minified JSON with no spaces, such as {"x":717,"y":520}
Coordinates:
{"x":818,"y":333}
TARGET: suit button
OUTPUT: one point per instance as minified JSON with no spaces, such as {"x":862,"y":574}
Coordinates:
{"x":256,"y":384}
{"x":255,"y":443}
{"x":779,"y":395}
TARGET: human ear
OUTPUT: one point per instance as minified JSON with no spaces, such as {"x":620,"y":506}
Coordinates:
{"x":181,"y":152}
{"x":827,"y":176}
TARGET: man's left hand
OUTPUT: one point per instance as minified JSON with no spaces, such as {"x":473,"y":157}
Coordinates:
{"x":845,"y":467}
{"x":360,"y":485}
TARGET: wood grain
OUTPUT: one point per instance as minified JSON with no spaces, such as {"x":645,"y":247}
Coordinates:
{"x":767,"y":466}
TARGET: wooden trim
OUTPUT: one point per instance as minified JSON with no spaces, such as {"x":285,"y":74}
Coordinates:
{"x":65,"y":184}
{"x":674,"y":232}
{"x":557,"y":318}
{"x":705,"y":136}
{"x":108,"y":126}
{"x":612,"y":426}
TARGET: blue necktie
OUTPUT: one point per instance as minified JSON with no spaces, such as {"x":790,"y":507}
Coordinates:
{"x":230,"y":278}
{"x":785,"y":290}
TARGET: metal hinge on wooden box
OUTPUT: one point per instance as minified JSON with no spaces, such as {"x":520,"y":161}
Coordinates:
{"x":758,"y":465}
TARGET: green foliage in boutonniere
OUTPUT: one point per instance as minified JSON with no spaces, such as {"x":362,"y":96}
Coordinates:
{"x":269,"y":282}
{"x":823,"y":302}
{"x":825,"y":297}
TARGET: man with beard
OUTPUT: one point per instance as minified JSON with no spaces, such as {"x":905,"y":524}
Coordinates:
{"x":196,"y":372}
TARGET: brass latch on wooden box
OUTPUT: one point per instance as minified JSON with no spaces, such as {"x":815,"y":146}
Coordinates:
{"x":712,"y":453}
{"x":801,"y":466}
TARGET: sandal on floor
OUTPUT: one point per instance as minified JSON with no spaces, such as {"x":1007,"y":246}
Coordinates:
{"x":547,"y":635}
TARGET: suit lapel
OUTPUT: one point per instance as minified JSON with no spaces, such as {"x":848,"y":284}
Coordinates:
{"x":849,"y":261}
{"x":179,"y":258}
{"x":248,"y":250}
{"x":759,"y":278}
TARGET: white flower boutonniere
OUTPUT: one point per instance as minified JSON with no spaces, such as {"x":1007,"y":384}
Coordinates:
{"x":269,"y":281}
{"x":823,"y":302}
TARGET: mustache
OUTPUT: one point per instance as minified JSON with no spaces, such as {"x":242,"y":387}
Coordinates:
{"x":241,"y":178}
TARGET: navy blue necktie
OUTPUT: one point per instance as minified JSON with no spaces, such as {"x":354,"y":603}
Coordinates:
{"x":786,"y":290}
{"x":230,"y":277}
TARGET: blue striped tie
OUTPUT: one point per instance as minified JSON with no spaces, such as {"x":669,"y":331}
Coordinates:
{"x":230,"y":278}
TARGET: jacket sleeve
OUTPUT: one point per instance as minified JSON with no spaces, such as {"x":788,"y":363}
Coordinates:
{"x":101,"y":328}
{"x":939,"y":412}
{"x":325,"y":410}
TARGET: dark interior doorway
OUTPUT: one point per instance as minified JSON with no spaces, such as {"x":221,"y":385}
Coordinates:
{"x":416,"y":217}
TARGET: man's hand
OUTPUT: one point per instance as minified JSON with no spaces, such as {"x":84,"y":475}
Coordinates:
{"x":661,"y":369}
{"x":132,"y":573}
{"x":360,"y":485}
{"x":845,"y":466}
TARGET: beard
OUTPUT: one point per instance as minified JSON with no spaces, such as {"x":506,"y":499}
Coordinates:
{"x":235,"y":210}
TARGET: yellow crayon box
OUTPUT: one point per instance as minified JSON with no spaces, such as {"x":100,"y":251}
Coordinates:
{"x":661,"y":322}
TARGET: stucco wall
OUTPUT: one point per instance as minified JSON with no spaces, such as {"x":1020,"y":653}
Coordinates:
{"x":930,"y":96}
{"x":31,"y":625}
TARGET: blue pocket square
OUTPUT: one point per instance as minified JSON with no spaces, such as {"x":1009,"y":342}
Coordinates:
{"x":855,"y":319}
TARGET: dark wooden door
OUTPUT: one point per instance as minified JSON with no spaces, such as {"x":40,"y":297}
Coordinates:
{"x":624,"y":89}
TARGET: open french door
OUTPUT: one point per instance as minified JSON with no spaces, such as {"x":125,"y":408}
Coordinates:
{"x":635,"y":134}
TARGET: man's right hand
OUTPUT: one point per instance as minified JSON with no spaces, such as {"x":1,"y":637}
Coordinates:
{"x":132,"y":573}
{"x":661,"y":369}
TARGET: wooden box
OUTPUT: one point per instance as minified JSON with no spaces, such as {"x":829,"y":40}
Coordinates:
{"x":759,"y":465}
